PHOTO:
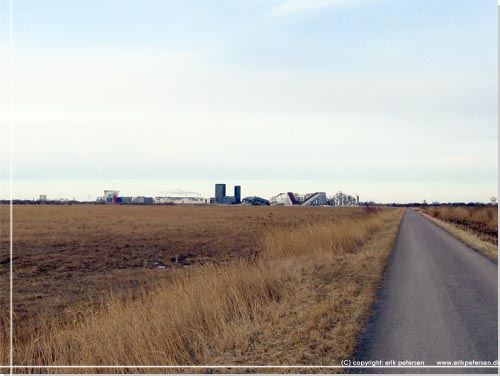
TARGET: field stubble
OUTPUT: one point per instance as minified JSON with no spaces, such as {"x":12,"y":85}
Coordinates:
{"x":298,"y":295}
{"x":64,"y":255}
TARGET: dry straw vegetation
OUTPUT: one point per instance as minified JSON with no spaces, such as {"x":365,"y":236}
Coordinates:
{"x":64,"y":255}
{"x":476,"y":226}
{"x":301,"y":299}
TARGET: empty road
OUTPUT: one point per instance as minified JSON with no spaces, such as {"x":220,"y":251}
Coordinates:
{"x":438,"y":302}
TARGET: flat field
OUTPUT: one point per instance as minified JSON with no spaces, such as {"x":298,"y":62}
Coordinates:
{"x":71,"y":253}
{"x":191,"y":285}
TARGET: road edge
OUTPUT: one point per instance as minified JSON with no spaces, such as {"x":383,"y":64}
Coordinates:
{"x":376,"y":296}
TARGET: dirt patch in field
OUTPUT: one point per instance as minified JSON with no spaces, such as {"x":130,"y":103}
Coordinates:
{"x":69,"y":254}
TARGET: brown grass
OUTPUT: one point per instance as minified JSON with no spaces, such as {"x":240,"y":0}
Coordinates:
{"x":466,"y":234}
{"x":65,"y":255}
{"x":480,"y":220}
{"x":321,"y":321}
{"x":301,"y":301}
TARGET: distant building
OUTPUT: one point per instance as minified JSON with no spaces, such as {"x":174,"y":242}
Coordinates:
{"x":221,"y":198}
{"x":285,"y":199}
{"x":110,"y":196}
{"x":342,"y":199}
{"x":220,"y":193}
{"x":181,"y":200}
{"x":229,"y":200}
{"x":296,"y":199}
{"x":314,"y":199}
{"x":143,"y":200}
{"x":43,"y":198}
{"x":237,"y":194}
{"x":138,"y":200}
{"x":254,"y":200}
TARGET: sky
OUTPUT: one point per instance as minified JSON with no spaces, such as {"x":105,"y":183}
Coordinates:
{"x":395,"y":100}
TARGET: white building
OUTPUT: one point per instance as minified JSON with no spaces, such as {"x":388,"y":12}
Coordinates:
{"x":182,"y":200}
{"x":297,"y":199}
{"x":342,"y":199}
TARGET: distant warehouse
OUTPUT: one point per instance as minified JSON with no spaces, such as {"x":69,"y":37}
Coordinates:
{"x":112,"y":196}
{"x":181,"y":201}
{"x":170,"y":198}
{"x":180,"y":197}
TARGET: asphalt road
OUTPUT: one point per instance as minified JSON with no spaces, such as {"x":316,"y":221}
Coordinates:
{"x":438,"y":302}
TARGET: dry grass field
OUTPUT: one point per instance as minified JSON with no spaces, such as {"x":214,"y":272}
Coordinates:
{"x":192,"y":285}
{"x":64,"y":254}
{"x":481,"y":220}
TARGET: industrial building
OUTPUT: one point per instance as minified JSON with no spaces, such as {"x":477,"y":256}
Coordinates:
{"x":237,"y":194}
{"x":180,"y":197}
{"x":314,"y":199}
{"x":229,"y":200}
{"x":221,"y":198}
{"x":192,"y":198}
{"x":220,"y":193}
{"x":143,"y":200}
{"x":296,"y":199}
{"x":181,"y":200}
{"x":342,"y":199}
{"x":111,"y":196}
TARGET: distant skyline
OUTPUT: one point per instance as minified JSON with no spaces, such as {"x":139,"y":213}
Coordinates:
{"x":393,"y":100}
{"x":84,"y":190}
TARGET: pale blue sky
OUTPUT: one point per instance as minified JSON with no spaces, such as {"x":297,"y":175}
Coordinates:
{"x":368,"y":96}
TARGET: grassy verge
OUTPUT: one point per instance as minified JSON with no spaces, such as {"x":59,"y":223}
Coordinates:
{"x":480,"y":220}
{"x":468,"y":237}
{"x":321,"y":321}
{"x":302,"y":301}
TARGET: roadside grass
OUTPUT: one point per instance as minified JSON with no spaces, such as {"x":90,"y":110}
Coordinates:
{"x":303,"y":300}
{"x":468,"y":236}
{"x":321,"y":324}
{"x":479,"y":220}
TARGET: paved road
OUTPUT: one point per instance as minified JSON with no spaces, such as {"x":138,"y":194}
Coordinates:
{"x":438,"y":301}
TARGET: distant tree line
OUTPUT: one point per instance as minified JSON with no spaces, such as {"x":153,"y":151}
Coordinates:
{"x":420,"y":204}
{"x":48,"y":202}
